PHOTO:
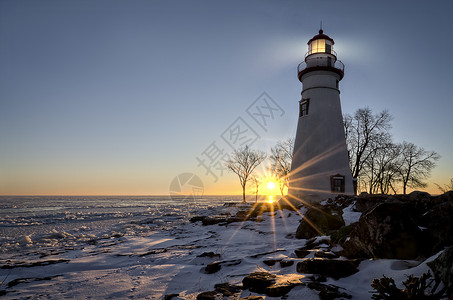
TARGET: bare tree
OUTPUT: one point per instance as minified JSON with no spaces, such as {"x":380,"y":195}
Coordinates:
{"x":257,"y":183}
{"x":446,"y":187}
{"x":381,"y":168}
{"x":242,"y":162}
{"x":416,"y":165}
{"x":364,"y":133}
{"x":281,"y":158}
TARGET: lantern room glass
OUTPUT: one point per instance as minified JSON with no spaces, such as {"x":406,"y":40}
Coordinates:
{"x":320,"y":46}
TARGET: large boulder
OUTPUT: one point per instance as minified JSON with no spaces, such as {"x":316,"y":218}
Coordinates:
{"x":443,"y":270}
{"x":438,"y":228}
{"x":385,"y":231}
{"x":418,"y":202}
{"x":366,"y":202}
{"x":319,"y":220}
{"x":448,"y":196}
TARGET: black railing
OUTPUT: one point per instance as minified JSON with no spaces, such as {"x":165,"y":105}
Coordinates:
{"x":320,"y":63}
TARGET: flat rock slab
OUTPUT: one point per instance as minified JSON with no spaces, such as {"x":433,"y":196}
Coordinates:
{"x":270,"y":284}
{"x":217,"y":265}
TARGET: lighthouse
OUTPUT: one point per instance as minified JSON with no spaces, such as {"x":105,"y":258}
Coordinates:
{"x":320,"y":166}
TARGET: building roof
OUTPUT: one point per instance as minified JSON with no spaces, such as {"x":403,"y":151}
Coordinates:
{"x":319,"y":36}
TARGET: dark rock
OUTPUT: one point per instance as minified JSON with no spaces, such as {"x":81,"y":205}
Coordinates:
{"x":235,"y":219}
{"x":217,"y":265}
{"x":315,"y":243}
{"x":258,"y":281}
{"x":419,"y":196}
{"x":27,"y":280}
{"x":318,"y":220}
{"x":196,"y":219}
{"x":290,"y":236}
{"x":386,"y":231}
{"x":286,"y":263}
{"x":443,"y":270}
{"x":209,"y":254}
{"x":281,"y":288}
{"x":266,"y":253}
{"x":213,"y":220}
{"x":269,"y":284}
{"x":213,"y":267}
{"x":153,"y":251}
{"x":339,"y":236}
{"x":211,"y":295}
{"x":439,"y":228}
{"x":226,"y":289}
{"x":231,"y":204}
{"x":322,"y":254}
{"x":12,"y":264}
{"x":418,"y":202}
{"x":301,"y":253}
{"x":365,"y":201}
{"x":170,"y":296}
{"x":271,"y":262}
{"x":446,"y":197}
{"x":328,"y":267}
{"x":328,"y":292}
{"x":344,"y":200}
{"x":283,"y":203}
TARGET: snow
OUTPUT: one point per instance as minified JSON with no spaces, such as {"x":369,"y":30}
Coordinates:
{"x":350,"y":216}
{"x":148,"y":253}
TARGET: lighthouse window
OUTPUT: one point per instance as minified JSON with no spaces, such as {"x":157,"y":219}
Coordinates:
{"x":303,"y":107}
{"x":328,"y":47}
{"x":337,"y":183}
{"x":318,"y":46}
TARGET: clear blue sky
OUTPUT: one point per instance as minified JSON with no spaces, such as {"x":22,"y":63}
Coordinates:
{"x":119,"y":97}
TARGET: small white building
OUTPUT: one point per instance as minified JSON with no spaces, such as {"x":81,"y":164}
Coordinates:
{"x":320,"y":167}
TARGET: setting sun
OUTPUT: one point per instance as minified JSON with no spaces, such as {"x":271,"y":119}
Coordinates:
{"x":270,"y":185}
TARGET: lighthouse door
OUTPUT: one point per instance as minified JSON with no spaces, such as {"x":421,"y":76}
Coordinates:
{"x":329,"y":61}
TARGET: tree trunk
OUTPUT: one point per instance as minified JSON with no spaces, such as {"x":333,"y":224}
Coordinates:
{"x":243,"y":194}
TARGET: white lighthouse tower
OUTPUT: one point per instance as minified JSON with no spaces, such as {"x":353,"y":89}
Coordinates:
{"x":320,"y":167}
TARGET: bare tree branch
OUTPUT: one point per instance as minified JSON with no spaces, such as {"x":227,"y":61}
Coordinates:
{"x":243,"y":162}
{"x":416,"y":165}
{"x":281,"y":158}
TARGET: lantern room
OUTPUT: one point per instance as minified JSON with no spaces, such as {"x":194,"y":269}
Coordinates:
{"x":320,"y":43}
{"x":320,"y":56}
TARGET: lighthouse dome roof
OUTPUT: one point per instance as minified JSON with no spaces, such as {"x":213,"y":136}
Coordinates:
{"x":320,"y":36}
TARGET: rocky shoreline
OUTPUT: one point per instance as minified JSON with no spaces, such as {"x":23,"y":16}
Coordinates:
{"x":410,"y":228}
{"x":354,"y":247}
